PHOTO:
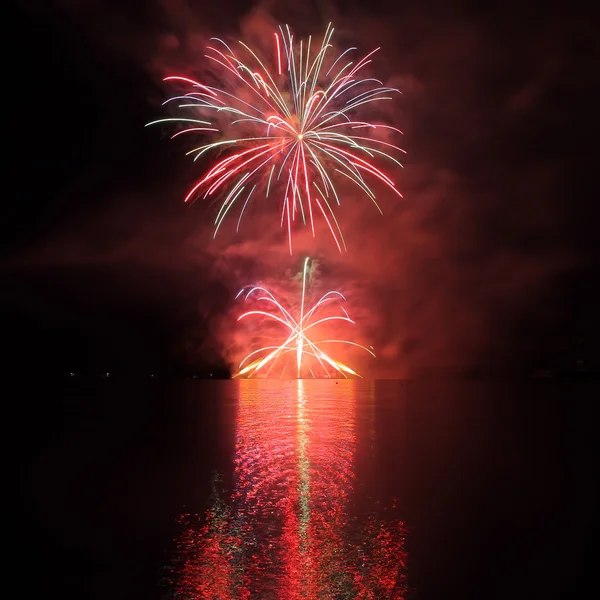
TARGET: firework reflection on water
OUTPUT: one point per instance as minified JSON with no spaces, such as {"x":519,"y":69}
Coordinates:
{"x":290,"y":527}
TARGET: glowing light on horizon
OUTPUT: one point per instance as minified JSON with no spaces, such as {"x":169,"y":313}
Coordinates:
{"x":298,"y":339}
{"x":295,"y":128}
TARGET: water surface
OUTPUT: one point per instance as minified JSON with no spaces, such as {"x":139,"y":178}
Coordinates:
{"x":308,"y":489}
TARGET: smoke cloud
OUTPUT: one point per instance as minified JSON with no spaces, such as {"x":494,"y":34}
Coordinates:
{"x":450,"y":272}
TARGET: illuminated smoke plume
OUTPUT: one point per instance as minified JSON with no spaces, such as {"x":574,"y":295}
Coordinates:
{"x":463,"y":270}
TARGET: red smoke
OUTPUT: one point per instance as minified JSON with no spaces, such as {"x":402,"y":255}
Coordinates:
{"x":445,"y":275}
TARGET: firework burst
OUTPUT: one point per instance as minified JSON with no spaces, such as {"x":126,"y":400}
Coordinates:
{"x":289,"y":126}
{"x":298,"y":334}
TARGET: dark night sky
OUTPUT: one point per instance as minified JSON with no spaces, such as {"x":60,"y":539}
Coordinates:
{"x":104,"y":268}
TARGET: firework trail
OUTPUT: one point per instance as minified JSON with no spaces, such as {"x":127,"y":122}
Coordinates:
{"x":298,"y":339}
{"x":290,"y":126}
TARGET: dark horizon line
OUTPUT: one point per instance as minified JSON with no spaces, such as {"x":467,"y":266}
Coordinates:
{"x":533,"y":374}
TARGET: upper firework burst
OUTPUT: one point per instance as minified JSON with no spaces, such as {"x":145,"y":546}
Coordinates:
{"x":290,"y":127}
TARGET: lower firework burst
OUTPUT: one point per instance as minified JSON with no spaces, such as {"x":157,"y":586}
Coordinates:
{"x":298,"y":333}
